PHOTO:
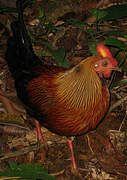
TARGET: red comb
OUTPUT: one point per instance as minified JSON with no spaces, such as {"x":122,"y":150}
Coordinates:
{"x":105,"y":52}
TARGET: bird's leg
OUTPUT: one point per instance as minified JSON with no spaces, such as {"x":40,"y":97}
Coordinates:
{"x":72,"y":153}
{"x":39,"y":134}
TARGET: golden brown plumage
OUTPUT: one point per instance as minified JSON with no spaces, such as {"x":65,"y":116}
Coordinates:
{"x":74,"y":100}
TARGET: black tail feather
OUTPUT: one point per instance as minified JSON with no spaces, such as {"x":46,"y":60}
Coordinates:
{"x":20,"y":55}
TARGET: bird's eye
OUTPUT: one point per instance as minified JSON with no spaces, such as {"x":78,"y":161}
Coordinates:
{"x":104,"y":64}
{"x":96,"y":65}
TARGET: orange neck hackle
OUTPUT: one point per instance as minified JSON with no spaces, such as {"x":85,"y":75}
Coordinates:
{"x":80,"y":87}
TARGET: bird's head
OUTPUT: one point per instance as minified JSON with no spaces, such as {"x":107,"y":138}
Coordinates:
{"x":106,"y":63}
{"x":104,"y":67}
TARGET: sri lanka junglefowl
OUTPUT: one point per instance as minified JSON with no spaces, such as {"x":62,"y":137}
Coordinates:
{"x":68,"y":102}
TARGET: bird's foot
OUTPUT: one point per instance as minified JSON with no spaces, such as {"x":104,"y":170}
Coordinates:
{"x":76,"y":173}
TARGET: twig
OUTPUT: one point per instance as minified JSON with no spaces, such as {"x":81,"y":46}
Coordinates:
{"x":57,"y":173}
{"x":118,"y":103}
{"x":102,"y":3}
{"x":89,"y":144}
{"x":19,"y":153}
{"x":12,"y":178}
{"x":122,"y":122}
{"x":24,"y":151}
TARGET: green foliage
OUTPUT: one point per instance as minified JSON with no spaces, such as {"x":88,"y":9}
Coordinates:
{"x":121,"y":56}
{"x":115,"y":32}
{"x":58,"y":54}
{"x":4,"y":9}
{"x":45,"y":28}
{"x":26,"y":171}
{"x":110,"y":13}
{"x":41,"y":13}
{"x":99,"y":13}
{"x":95,"y":32}
{"x":116,"y":43}
{"x":44,"y":24}
{"x":92,"y":47}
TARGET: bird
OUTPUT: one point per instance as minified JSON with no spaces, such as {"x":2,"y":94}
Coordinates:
{"x":69,"y":102}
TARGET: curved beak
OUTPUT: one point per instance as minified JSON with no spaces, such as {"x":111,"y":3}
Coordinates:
{"x":117,"y":69}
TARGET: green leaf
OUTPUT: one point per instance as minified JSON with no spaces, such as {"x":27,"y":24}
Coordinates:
{"x":116,"y":33}
{"x":27,"y":171}
{"x":125,"y":36}
{"x":58,"y":55}
{"x":47,"y":44}
{"x":12,"y":164}
{"x":121,"y":57}
{"x":92,"y":47}
{"x":41,"y":13}
{"x":110,"y":13}
{"x":115,"y":42}
{"x":98,"y":13}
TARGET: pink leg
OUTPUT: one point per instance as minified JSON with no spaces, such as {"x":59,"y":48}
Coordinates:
{"x":72,"y":153}
{"x":39,"y":133}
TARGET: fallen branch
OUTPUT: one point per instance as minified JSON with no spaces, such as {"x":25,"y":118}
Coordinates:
{"x":24,"y":151}
{"x":10,"y":106}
